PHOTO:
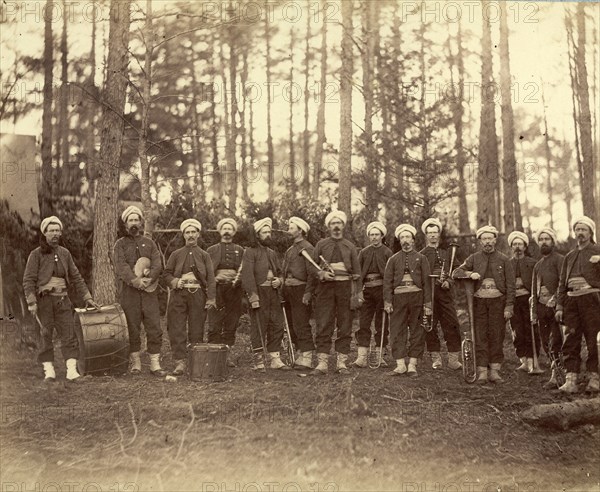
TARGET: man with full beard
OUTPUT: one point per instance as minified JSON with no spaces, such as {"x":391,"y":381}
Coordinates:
{"x":261,"y":279}
{"x":544,"y":286}
{"x":227,"y":259}
{"x":579,"y":304}
{"x":139,"y":298}
{"x":189,"y":273}
{"x":493,"y":302}
{"x":521,"y":319}
{"x":49,"y":271}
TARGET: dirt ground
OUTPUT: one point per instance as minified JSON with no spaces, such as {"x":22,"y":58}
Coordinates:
{"x":277,"y":432}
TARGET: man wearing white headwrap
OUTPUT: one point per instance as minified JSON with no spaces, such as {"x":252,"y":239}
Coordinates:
{"x":443,"y":298}
{"x":298,"y":291}
{"x":227,"y":261}
{"x":138,"y":266}
{"x":520,"y":322}
{"x":407,"y":297}
{"x":372,"y":261}
{"x":492,"y":304}
{"x":579,"y":305}
{"x":49,"y":271}
{"x":190,"y":275}
{"x":261,"y":279}
{"x":337,"y":293}
{"x":544,"y":286}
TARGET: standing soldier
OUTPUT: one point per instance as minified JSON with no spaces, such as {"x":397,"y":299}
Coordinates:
{"x":579,"y":304}
{"x":493,"y":302}
{"x":544,"y":285}
{"x":521,"y":319}
{"x":49,"y":271}
{"x":189,"y":272}
{"x":407,"y":296}
{"x":297,"y":290}
{"x":139,"y":299}
{"x":227,"y":260}
{"x":261,"y":279}
{"x":443,"y":300}
{"x":337,"y":293}
{"x":372,"y":261}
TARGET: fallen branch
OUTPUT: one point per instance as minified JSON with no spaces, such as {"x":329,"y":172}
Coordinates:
{"x":563,"y":416}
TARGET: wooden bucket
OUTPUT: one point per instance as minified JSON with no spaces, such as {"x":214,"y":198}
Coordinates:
{"x":208,"y":361}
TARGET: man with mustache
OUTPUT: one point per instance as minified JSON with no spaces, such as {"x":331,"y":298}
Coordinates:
{"x":443,"y":299}
{"x":339,"y":282}
{"x":579,"y":304}
{"x":298,"y":290}
{"x":49,"y":271}
{"x":406,"y":297}
{"x":544,"y":286}
{"x":493,"y":302}
{"x":189,"y":273}
{"x":227,"y":260}
{"x":372,"y":261}
{"x":521,"y":319}
{"x":139,"y":305}
{"x":261,"y":279}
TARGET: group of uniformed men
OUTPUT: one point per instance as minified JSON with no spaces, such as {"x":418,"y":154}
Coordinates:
{"x":331,"y":280}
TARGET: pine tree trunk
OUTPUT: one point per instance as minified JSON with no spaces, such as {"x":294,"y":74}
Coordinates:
{"x":146,"y":91}
{"x":399,"y":122}
{"x":270,"y":151}
{"x":487,"y":176}
{"x":90,"y":137}
{"x":199,"y":192}
{"x":46,"y":189}
{"x":368,"y":49}
{"x":244,"y":142}
{"x":292,"y":163}
{"x":512,"y":208}
{"x":233,"y":132}
{"x":587,"y":177}
{"x":347,"y":70}
{"x":426,"y":168}
{"x":111,"y":141}
{"x":305,"y":134}
{"x":548,"y":161}
{"x":321,"y":137}
{"x":63,"y":150}
{"x":217,"y":181}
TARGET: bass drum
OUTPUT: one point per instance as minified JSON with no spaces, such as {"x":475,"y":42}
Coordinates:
{"x":103,"y":340}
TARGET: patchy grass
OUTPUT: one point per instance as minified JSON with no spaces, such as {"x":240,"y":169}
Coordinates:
{"x":366,"y":431}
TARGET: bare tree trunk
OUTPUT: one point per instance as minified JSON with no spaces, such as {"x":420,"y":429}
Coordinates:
{"x":90,"y":138}
{"x":368,"y":49}
{"x":548,"y":160}
{"x":111,"y":142}
{"x":200,"y":196}
{"x":233,"y":132}
{"x":512,"y":208}
{"x":399,"y":122}
{"x":487,"y":176}
{"x":217,"y":181}
{"x":347,"y":70}
{"x":305,"y":134}
{"x":63,"y":150}
{"x":146,"y":91}
{"x":292,"y":162}
{"x":270,"y":151}
{"x":425,"y":163}
{"x":244,"y":143}
{"x":573,"y":78}
{"x":587,"y":178}
{"x":321,"y":137}
{"x":458,"y":113}
{"x":46,"y":190}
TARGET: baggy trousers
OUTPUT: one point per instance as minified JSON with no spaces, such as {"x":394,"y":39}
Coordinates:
{"x":142,"y":307}
{"x":372,"y":307}
{"x":444,"y":312}
{"x":582,"y":317}
{"x":298,"y":316}
{"x":185,"y":320}
{"x":223,"y":321}
{"x":56,"y":313}
{"x":332,"y":307}
{"x":489,"y":330}
{"x":405,"y":324}
{"x":271,"y":320}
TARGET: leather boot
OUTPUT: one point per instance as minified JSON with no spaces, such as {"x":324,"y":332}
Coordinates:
{"x":179,"y":367}
{"x":570,"y":385}
{"x":361,"y":359}
{"x":155,"y":366}
{"x":322,"y":365}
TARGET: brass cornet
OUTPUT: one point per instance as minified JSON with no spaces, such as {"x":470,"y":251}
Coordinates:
{"x":469,"y":363}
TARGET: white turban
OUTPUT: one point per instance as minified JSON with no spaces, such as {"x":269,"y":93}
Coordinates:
{"x":336,"y":214}
{"x":488,"y":228}
{"x":405,"y":227}
{"x":587,"y":222}
{"x":229,"y":221}
{"x":518,"y":235}
{"x":431,"y":222}
{"x":190,"y":223}
{"x":50,"y":220}
{"x":298,"y":222}
{"x":259,"y":224}
{"x":550,"y":232}
{"x":132,"y":209}
{"x":377,"y":225}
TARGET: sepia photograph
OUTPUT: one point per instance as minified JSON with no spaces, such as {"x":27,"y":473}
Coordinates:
{"x":299,"y":246}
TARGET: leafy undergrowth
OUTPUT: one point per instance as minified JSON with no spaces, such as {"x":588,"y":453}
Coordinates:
{"x":278,"y":431}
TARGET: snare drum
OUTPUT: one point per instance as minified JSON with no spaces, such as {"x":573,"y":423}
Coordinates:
{"x":103,"y":340}
{"x":208,"y":361}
